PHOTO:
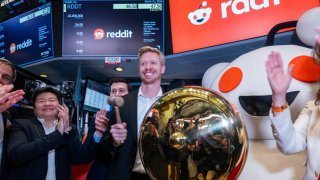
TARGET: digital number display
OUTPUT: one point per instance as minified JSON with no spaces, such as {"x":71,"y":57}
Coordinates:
{"x":111,"y":28}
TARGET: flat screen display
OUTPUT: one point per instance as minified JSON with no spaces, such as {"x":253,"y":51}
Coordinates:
{"x":95,"y":96}
{"x":28,"y":38}
{"x":111,"y":28}
{"x":204,"y":23}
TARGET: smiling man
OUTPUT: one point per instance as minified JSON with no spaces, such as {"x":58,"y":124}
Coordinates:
{"x":122,"y":139}
{"x":44,"y":147}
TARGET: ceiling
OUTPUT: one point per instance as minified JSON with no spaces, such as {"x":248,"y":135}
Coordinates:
{"x":183,"y":66}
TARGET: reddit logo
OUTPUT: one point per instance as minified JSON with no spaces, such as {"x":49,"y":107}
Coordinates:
{"x":201,"y":15}
{"x":99,"y":34}
{"x":12,"y":48}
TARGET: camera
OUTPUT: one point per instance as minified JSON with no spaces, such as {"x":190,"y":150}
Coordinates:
{"x":66,"y":90}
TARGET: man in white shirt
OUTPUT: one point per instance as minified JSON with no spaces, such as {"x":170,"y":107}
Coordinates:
{"x":122,"y":139}
{"x":7,"y":99}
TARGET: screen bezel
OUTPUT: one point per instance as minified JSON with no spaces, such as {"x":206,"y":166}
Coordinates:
{"x":52,"y":54}
{"x":133,"y":54}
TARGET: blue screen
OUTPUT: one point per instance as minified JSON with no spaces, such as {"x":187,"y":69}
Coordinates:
{"x":27,"y":38}
{"x":95,"y":96}
{"x":111,"y":28}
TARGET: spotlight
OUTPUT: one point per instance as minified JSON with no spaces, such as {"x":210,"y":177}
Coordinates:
{"x":118,"y":69}
{"x":43,"y":75}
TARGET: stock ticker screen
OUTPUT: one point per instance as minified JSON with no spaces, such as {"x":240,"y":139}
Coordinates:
{"x":111,"y":28}
{"x":28,"y":38}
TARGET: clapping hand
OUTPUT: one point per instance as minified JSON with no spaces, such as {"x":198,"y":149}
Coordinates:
{"x":63,"y":116}
{"x":101,"y":122}
{"x":7,"y":98}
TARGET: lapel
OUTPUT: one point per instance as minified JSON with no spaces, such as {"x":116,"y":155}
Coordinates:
{"x":38,"y":127}
{"x":6,"y":123}
{"x":6,"y":119}
{"x":133,"y":114}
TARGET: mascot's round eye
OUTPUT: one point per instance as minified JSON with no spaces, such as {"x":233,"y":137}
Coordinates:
{"x":204,"y":15}
{"x":230,"y":79}
{"x":195,"y":17}
{"x":305,"y":69}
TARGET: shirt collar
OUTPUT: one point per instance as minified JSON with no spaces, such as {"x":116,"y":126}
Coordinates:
{"x":55,"y":122}
{"x":160,"y":93}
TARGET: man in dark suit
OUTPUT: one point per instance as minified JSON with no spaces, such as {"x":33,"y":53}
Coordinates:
{"x":118,"y":87}
{"x":44,"y":147}
{"x":7,"y":99}
{"x":120,"y":143}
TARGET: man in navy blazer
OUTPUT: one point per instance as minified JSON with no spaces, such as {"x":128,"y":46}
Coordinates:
{"x":120,"y":143}
{"x":118,"y":87}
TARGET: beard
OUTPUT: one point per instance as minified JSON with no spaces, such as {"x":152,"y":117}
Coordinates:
{"x":149,"y":80}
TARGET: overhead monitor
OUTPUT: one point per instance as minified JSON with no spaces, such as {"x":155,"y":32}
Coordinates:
{"x":95,"y":96}
{"x":28,"y":37}
{"x":111,"y":27}
{"x":11,"y":8}
{"x":204,"y":23}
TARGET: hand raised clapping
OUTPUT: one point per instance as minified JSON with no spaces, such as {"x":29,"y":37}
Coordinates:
{"x":101,"y":121}
{"x":7,"y":98}
{"x":63,"y":116}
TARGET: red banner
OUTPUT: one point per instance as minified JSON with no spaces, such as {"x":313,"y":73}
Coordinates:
{"x":202,"y":23}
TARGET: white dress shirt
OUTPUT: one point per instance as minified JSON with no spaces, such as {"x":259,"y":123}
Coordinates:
{"x":51,"y":173}
{"x":144,"y":104}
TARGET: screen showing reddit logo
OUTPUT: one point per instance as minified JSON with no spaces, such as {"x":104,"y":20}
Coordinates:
{"x":204,"y":23}
{"x":12,"y":48}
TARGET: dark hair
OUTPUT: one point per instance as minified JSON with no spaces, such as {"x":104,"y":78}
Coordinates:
{"x":13,"y":67}
{"x":120,"y":80}
{"x":317,"y":102}
{"x":316,"y":57}
{"x":43,"y":90}
{"x":316,"y":53}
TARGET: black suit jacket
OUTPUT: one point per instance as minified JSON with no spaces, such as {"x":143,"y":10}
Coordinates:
{"x":121,"y":159}
{"x":28,"y":147}
{"x":4,"y":168}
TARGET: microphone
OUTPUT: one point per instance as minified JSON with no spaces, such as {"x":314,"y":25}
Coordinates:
{"x":116,"y":102}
